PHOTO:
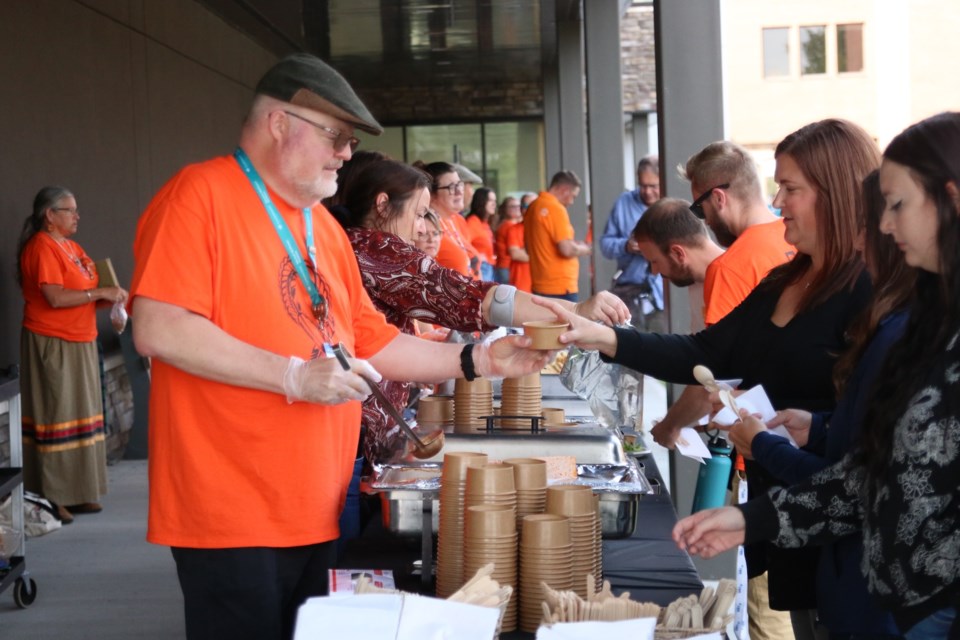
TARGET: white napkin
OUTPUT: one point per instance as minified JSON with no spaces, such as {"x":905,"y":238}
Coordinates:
{"x":690,"y":444}
{"x":635,"y":629}
{"x":756,"y":402}
{"x":401,"y":616}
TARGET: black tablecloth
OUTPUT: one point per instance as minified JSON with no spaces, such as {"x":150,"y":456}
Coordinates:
{"x":648,"y":564}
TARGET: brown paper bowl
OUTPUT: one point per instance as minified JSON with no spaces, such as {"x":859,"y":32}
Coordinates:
{"x":545,"y":334}
{"x":570,"y":500}
{"x":545,"y":531}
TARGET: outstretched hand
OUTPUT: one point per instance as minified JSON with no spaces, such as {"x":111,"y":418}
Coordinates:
{"x":711,"y":532}
{"x":604,"y":307}
{"x":509,"y":357}
{"x":583,"y":333}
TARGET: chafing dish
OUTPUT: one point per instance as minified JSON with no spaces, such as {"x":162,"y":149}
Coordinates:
{"x":409,"y":491}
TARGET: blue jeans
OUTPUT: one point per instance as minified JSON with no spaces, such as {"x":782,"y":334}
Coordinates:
{"x":501,"y":275}
{"x":936,"y":626}
{"x":486,"y":272}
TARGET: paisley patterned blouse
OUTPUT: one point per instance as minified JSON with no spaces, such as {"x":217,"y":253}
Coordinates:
{"x":406,"y":284}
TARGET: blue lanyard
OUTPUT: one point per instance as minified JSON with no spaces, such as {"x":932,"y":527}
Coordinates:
{"x":286,"y":238}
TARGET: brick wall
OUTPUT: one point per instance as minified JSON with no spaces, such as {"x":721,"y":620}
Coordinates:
{"x":638,"y":59}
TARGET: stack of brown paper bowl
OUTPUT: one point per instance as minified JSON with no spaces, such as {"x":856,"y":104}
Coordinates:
{"x":490,"y":536}
{"x":520,"y":397}
{"x":530,"y":478}
{"x":546,"y":556}
{"x":435,"y":411}
{"x":577,"y":503}
{"x":453,"y":482}
{"x":598,"y":550}
{"x":470,"y":401}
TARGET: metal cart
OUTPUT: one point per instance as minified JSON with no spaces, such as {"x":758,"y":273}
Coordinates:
{"x":11,"y":481}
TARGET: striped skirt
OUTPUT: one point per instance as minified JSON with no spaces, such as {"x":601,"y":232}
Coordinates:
{"x":64,"y":448}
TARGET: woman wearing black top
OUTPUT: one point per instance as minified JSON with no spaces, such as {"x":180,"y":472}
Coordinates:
{"x":900,"y":486}
{"x":788,"y":332}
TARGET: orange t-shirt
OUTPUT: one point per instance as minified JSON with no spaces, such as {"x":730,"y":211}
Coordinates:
{"x":546,"y":223}
{"x":44,"y":262}
{"x":500,"y":243}
{"x":481,"y":237}
{"x":731,"y":277}
{"x":233,"y":466}
{"x":519,"y":271}
{"x":455,"y":251}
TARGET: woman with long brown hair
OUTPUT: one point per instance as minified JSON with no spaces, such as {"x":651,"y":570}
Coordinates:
{"x":787,"y":333}
{"x":898,"y":488}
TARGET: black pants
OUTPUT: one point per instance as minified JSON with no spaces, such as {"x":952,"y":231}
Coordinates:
{"x":249,"y":593}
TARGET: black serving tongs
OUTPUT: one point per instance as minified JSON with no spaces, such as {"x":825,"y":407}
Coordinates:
{"x":422,"y":449}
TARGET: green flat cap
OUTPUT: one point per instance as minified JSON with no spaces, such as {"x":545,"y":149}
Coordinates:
{"x":307,"y":81}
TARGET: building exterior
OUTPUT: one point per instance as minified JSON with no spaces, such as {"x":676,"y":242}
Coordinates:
{"x":880,"y":63}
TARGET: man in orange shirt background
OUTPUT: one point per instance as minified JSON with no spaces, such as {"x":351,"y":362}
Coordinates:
{"x":549,"y":238}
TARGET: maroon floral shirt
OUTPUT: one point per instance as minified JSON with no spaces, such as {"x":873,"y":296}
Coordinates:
{"x":406,"y":284}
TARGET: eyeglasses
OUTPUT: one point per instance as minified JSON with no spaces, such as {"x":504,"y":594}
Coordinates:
{"x":70,"y":210}
{"x":340,"y":139}
{"x":697,"y":206}
{"x":453,"y":187}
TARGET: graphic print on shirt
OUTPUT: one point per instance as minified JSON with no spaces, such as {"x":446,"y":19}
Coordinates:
{"x":319,"y":330}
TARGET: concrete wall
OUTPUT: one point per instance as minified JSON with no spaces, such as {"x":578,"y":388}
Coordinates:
{"x":109,"y":98}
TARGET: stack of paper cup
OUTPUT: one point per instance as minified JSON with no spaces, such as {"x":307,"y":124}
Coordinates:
{"x":546,"y":556}
{"x":471,"y":400}
{"x":490,"y":535}
{"x":530,"y":478}
{"x":450,"y":576}
{"x":577,"y":503}
{"x":520,"y":397}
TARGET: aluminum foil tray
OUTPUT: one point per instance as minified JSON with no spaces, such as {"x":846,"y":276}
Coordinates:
{"x":588,"y":443}
{"x":410,"y":494}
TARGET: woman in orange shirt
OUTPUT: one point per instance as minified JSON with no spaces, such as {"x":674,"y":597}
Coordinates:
{"x":446,"y":199}
{"x":64,"y":453}
{"x":509,"y":216}
{"x":483,"y":208}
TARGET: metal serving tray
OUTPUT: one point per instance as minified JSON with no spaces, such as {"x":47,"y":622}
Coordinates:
{"x":588,"y":443}
{"x":408,"y":492}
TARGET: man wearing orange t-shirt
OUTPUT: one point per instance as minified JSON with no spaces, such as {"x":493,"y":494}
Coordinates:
{"x":554,"y":254}
{"x":241,"y":280}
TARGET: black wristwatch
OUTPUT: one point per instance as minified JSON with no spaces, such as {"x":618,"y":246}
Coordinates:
{"x":466,"y":363}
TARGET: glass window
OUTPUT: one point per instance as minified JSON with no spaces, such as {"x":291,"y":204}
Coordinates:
{"x":776,"y":52}
{"x":445,"y":142}
{"x":514,"y":157}
{"x":813,"y":50}
{"x":849,"y":48}
{"x":514,"y":160}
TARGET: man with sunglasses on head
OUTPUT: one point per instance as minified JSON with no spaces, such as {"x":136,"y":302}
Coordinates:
{"x":244,"y":286}
{"x":726,"y":194}
{"x":634,"y":283}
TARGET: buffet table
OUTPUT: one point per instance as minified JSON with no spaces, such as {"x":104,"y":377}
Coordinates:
{"x":648,"y":564}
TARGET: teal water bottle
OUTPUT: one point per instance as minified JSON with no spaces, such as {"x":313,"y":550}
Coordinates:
{"x":714,"y":476}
